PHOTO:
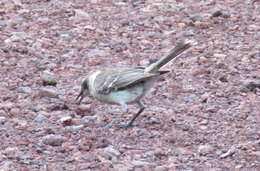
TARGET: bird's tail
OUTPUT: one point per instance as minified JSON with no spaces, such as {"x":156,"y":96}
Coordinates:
{"x":176,"y":51}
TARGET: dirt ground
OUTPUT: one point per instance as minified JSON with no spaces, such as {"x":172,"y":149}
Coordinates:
{"x":203,"y":115}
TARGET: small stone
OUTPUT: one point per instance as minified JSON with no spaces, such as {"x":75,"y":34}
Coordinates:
{"x":66,"y":120}
{"x":140,"y":163}
{"x":74,"y":127}
{"x":220,"y":56}
{"x":15,"y":111}
{"x":125,"y":22}
{"x":48,"y":78}
{"x":84,"y":110}
{"x":54,"y":140}
{"x":96,"y":53}
{"x":47,"y":92}
{"x":111,"y":150}
{"x":2,"y":119}
{"x":204,"y":122}
{"x":205,"y":97}
{"x":120,"y":4}
{"x":203,"y":127}
{"x":190,"y":98}
{"x":17,"y":2}
{"x":216,"y":12}
{"x":189,"y":32}
{"x":10,"y":152}
{"x":205,"y":149}
{"x":81,"y":13}
{"x":3,"y":85}
{"x":26,"y":90}
{"x":65,"y":35}
{"x":89,"y":27}
{"x":182,"y":25}
{"x":158,"y":152}
{"x":161,"y":168}
{"x":40,"y":118}
{"x":95,"y":62}
{"x":58,"y":106}
{"x":16,"y":37}
{"x":196,"y":17}
{"x":2,"y":24}
{"x":203,"y":59}
{"x":238,"y":167}
{"x":223,"y":79}
{"x":230,"y":152}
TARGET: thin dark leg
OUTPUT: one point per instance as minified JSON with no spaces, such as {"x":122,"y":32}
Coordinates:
{"x":137,"y":114}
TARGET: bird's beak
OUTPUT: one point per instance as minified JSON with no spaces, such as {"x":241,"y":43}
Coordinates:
{"x":80,"y":97}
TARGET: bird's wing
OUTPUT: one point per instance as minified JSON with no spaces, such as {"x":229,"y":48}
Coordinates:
{"x":119,"y":78}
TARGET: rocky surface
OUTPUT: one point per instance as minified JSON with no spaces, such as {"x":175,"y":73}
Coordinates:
{"x":203,"y":115}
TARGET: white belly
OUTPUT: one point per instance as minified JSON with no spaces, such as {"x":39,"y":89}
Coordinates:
{"x":125,"y":96}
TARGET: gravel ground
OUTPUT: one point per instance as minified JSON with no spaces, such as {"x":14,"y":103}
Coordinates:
{"x":203,"y":115}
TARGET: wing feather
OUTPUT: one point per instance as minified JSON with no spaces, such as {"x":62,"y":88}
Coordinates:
{"x":118,"y":78}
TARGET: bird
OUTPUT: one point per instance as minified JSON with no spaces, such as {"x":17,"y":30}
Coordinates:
{"x":127,"y":85}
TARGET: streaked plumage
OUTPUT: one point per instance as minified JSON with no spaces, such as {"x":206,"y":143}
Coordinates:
{"x":123,"y":85}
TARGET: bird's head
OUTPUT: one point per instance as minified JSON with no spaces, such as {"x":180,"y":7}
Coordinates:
{"x":84,"y":91}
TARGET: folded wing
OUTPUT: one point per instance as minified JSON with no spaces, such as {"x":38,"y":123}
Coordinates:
{"x":119,"y":78}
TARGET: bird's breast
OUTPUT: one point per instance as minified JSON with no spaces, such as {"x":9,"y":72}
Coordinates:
{"x":124,"y":96}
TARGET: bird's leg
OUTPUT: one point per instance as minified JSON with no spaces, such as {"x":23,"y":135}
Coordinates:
{"x":141,"y":105}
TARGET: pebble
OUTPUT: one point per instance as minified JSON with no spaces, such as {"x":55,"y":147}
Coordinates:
{"x":189,"y":32}
{"x":161,"y":168}
{"x":48,"y":78}
{"x":190,"y":98}
{"x":182,"y":25}
{"x":84,"y":110}
{"x":203,"y":127}
{"x":66,"y":120}
{"x":40,"y":118}
{"x":81,"y":13}
{"x":140,"y":163}
{"x":2,"y":119}
{"x":204,"y":122}
{"x":17,"y":36}
{"x":15,"y":111}
{"x":26,"y":90}
{"x":205,"y":149}
{"x":111,"y":150}
{"x":216,"y":12}
{"x":230,"y":152}
{"x":3,"y":85}
{"x":65,"y":35}
{"x":74,"y":127}
{"x":196,"y":17}
{"x":96,"y":53}
{"x":47,"y":92}
{"x":220,"y":13}
{"x":54,"y":140}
